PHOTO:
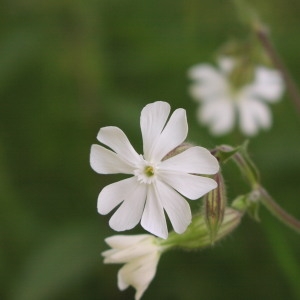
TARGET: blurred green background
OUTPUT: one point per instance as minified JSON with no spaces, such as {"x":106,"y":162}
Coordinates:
{"x":68,"y":68}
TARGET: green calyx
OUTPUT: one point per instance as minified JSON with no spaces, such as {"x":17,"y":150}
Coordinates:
{"x":197,"y":235}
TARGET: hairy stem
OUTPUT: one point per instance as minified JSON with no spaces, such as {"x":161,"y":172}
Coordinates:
{"x":277,"y":211}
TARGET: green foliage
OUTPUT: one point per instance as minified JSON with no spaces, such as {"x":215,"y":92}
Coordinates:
{"x":68,"y":256}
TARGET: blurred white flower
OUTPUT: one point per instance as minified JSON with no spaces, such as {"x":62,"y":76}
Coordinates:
{"x":140,"y":254}
{"x":151,"y":190}
{"x":222,"y":103}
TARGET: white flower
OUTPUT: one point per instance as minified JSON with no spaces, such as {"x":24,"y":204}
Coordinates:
{"x":222,"y":103}
{"x":151,"y":189}
{"x":140,"y":254}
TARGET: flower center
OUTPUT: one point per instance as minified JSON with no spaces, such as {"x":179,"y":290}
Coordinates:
{"x":149,"y":171}
{"x":146,"y":172}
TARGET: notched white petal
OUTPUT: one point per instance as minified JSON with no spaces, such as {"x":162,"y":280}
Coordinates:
{"x":177,"y":208}
{"x":153,"y":219}
{"x":105,"y":161}
{"x":153,"y":119}
{"x":174,"y":133}
{"x":116,"y":139}
{"x":254,"y":115}
{"x":140,"y":253}
{"x":113,"y":194}
{"x":219,"y":115}
{"x":138,"y":273}
{"x":268,"y":84}
{"x":190,"y":186}
{"x":128,"y":215}
{"x":197,"y":160}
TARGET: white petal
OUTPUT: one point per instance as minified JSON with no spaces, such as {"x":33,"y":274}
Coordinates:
{"x":153,"y":120}
{"x":116,"y":139}
{"x":113,"y":194}
{"x":197,"y":160}
{"x":122,"y":278}
{"x":173,"y":135}
{"x":108,"y":256}
{"x":130,"y":253}
{"x":190,"y":186}
{"x":205,"y":73}
{"x":125,"y":241}
{"x":129,"y":213}
{"x":268,"y":84}
{"x":176,"y":207}
{"x":202,"y":91}
{"x":218,"y":114}
{"x":147,"y":273}
{"x":153,"y":219}
{"x":104,"y":161}
{"x":138,"y":273}
{"x":253,"y":115}
{"x":226,"y":64}
{"x":209,"y":83}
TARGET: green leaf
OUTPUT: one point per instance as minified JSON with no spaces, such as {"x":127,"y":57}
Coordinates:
{"x":224,"y":152}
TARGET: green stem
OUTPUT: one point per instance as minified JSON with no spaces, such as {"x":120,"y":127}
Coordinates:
{"x":240,"y":156}
{"x":263,"y":36}
{"x":245,"y":169}
{"x":277,"y":211}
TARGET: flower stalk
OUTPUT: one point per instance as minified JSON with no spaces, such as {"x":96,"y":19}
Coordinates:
{"x":242,"y":160}
{"x":240,"y":156}
{"x":263,"y":36}
{"x":277,"y":211}
{"x":250,"y":17}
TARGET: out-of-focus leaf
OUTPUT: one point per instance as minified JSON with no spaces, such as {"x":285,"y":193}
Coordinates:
{"x":16,"y":48}
{"x":285,"y":256}
{"x":66,"y":258}
{"x":15,"y":220}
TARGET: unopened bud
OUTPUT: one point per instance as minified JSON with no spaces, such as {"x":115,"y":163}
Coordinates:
{"x":214,"y":207}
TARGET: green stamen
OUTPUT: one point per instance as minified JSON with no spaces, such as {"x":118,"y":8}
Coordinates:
{"x":149,"y":171}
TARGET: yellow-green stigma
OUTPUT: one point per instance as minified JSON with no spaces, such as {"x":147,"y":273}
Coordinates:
{"x":149,"y":171}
